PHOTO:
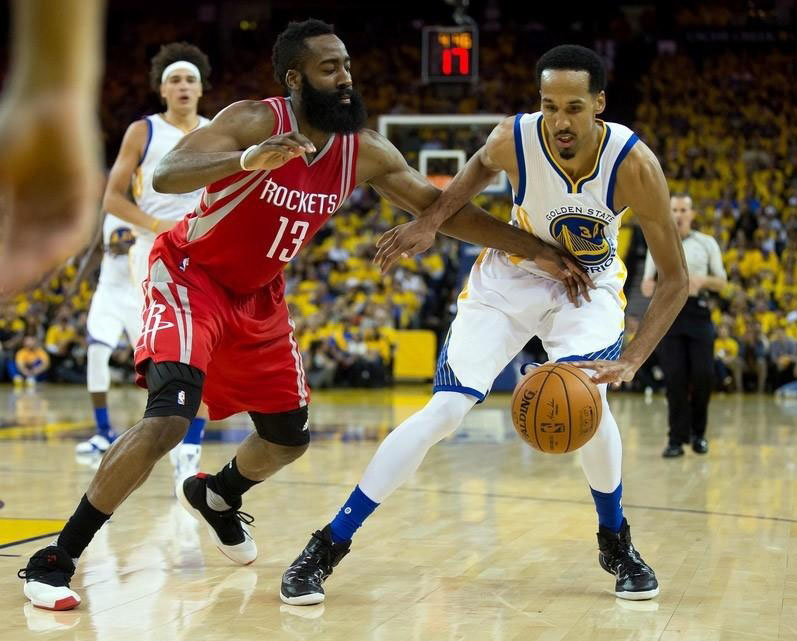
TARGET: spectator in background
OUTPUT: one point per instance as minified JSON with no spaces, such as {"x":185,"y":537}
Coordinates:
{"x":12,"y":331}
{"x":31,"y":361}
{"x":58,"y":342}
{"x":727,"y":366}
{"x":754,"y":358}
{"x":782,"y":358}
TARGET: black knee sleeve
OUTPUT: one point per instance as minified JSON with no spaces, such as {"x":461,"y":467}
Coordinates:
{"x":290,"y":429}
{"x":175,"y":389}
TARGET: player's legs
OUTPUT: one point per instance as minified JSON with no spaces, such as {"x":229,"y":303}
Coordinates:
{"x":104,"y":324}
{"x":125,"y":466}
{"x":184,"y":316}
{"x":594,"y":332}
{"x":674,"y":359}
{"x":701,"y":380}
{"x":257,"y":367}
{"x":486,"y":334}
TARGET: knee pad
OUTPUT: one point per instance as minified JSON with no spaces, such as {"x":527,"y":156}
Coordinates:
{"x":175,"y":389}
{"x":98,"y":372}
{"x":290,"y":429}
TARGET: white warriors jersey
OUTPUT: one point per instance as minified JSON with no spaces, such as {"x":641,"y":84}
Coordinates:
{"x":161,"y":139}
{"x":578,"y":216}
{"x":115,"y":268}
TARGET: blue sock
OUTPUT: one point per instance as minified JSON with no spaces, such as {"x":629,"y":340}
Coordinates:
{"x":609,"y":508}
{"x":351,"y":516}
{"x":195,"y":431}
{"x":101,"y":418}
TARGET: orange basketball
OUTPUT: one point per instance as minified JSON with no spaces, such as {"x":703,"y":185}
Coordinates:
{"x":556,"y":408}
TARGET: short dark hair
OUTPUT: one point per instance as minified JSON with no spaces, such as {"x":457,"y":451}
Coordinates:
{"x":173,"y":52}
{"x":290,"y":48}
{"x":574,"y":58}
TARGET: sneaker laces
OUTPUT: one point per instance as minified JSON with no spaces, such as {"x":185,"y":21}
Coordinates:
{"x":41,"y":568}
{"x":312,"y":564}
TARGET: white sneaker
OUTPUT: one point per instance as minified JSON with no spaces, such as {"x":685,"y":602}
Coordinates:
{"x":97,"y":444}
{"x":185,"y":460}
{"x":47,"y":578}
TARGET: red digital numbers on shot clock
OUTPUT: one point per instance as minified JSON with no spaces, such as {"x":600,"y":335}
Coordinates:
{"x":450,"y":54}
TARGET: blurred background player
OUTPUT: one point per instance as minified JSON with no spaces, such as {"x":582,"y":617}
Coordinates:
{"x":49,"y":133}
{"x":178,"y":74}
{"x":686,"y":352}
{"x":115,"y":308}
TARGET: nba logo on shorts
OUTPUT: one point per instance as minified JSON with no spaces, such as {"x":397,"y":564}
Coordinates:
{"x":184,"y":264}
{"x":181,"y":397}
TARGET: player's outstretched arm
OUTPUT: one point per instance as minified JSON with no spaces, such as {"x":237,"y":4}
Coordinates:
{"x":50,"y":166}
{"x":237,"y":139}
{"x":382,"y":166}
{"x":641,"y":185}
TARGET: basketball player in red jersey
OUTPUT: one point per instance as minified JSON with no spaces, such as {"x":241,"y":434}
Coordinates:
{"x":216,"y":325}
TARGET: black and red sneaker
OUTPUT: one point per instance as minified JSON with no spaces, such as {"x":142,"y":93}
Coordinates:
{"x":47,"y":578}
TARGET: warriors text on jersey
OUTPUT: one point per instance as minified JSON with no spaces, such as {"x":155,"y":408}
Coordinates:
{"x":580,"y":217}
{"x":248,"y":226}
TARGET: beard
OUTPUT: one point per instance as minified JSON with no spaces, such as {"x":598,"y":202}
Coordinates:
{"x":326,"y":112}
{"x":567,"y":154}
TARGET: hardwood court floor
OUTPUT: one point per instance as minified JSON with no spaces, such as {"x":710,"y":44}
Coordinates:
{"x":489,"y":541}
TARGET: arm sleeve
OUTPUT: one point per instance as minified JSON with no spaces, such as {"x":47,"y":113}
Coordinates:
{"x":650,"y":267}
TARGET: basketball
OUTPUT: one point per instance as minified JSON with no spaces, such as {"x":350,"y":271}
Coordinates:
{"x":556,"y":408}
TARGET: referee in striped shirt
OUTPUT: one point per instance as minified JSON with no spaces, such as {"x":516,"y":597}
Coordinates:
{"x":686,"y":353}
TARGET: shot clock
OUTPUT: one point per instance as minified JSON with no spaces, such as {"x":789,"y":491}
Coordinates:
{"x":450,"y":54}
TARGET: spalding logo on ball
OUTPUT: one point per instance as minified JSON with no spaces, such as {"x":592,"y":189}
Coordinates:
{"x":556,"y":408}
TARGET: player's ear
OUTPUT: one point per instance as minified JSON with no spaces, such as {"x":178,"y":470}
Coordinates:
{"x":163,"y":93}
{"x":293,"y":79}
{"x":600,"y":102}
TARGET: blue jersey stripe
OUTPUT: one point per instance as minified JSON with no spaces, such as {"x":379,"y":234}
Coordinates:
{"x":149,"y":140}
{"x":606,"y":135}
{"x":613,"y":176}
{"x":609,"y":353}
{"x":521,"y":162}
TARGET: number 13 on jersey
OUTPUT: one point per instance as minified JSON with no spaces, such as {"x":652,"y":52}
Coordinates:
{"x":298,"y":232}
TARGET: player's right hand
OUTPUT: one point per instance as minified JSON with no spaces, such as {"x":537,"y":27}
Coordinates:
{"x":564,"y":268}
{"x":278,"y":150}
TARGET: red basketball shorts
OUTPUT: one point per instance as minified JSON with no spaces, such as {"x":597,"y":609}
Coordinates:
{"x":243,"y":343}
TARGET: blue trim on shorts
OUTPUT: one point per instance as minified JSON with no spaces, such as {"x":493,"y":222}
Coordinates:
{"x":446,"y":381}
{"x":610,"y":353}
{"x":93,"y":341}
{"x":461,"y":389}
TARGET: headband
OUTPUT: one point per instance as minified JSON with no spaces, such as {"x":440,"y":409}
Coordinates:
{"x":180,"y":64}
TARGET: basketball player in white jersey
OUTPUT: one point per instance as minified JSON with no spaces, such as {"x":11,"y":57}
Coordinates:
{"x":114,"y":310}
{"x":572,"y":176}
{"x":178,"y":73}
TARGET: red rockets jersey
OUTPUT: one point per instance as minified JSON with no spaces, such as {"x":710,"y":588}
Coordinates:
{"x":248,"y":226}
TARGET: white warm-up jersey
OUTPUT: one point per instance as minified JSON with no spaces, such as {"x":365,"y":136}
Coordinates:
{"x":114,"y":269}
{"x":162,"y":138}
{"x":580,"y":217}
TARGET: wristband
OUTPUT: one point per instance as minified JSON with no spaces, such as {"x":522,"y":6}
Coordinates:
{"x":154,"y":224}
{"x":244,"y":155}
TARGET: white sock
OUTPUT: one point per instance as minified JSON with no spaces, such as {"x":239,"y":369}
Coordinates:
{"x":402,"y":451}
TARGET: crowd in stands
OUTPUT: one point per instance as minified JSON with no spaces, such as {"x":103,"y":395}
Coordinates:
{"x":719,"y":123}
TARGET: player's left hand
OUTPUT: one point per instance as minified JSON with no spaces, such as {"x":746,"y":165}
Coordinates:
{"x":402,"y":241}
{"x":613,"y":372}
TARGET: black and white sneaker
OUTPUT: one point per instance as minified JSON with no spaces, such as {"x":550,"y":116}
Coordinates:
{"x":47,"y":578}
{"x":228,"y":528}
{"x":636,"y":580}
{"x":303,"y":581}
